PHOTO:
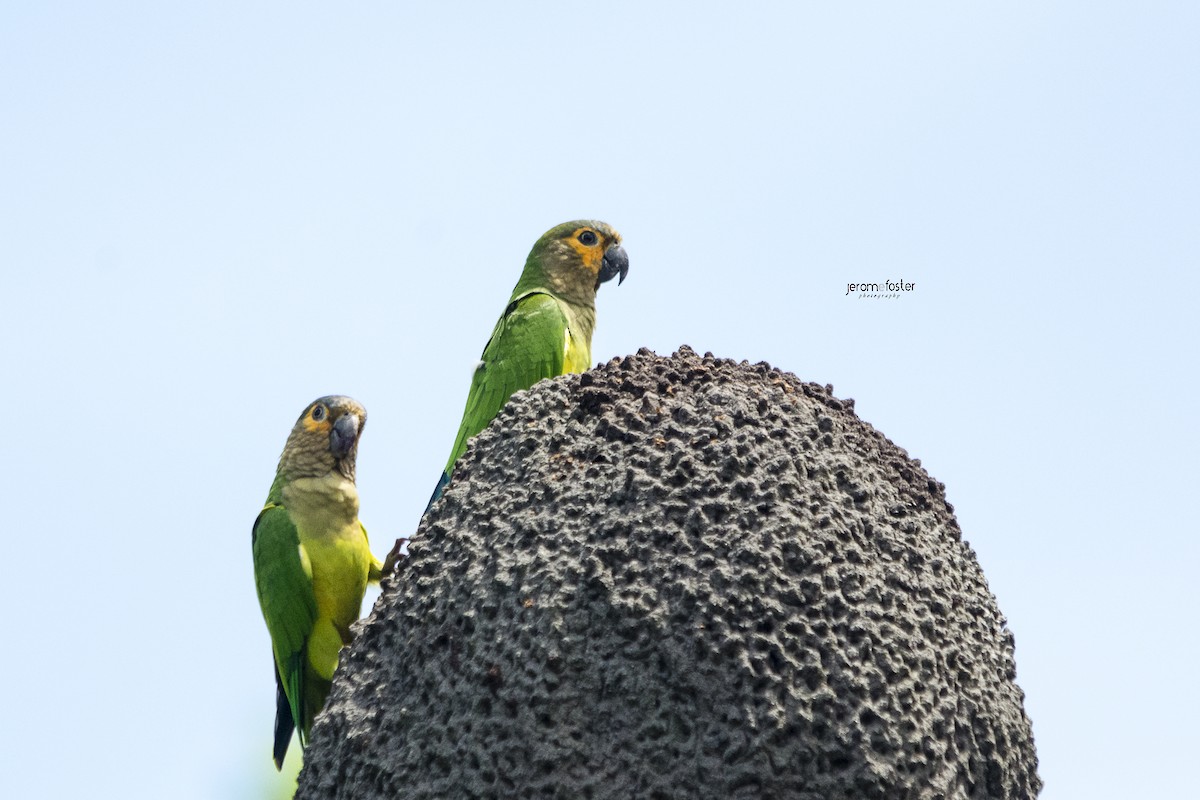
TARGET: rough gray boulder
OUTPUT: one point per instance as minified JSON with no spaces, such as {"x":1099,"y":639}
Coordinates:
{"x":681,"y":577}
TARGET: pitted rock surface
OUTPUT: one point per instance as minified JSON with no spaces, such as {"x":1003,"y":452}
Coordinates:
{"x":681,"y":577}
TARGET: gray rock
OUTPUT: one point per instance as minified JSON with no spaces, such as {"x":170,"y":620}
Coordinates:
{"x":681,"y":577}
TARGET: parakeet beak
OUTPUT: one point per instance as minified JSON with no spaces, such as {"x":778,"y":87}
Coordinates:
{"x":616,"y":262}
{"x":344,"y":435}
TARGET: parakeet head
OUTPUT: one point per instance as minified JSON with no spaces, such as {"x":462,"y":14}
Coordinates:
{"x":324,"y":439}
{"x":576,"y":257}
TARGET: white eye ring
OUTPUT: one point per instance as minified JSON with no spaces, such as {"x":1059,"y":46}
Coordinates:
{"x":318,"y":413}
{"x":588,"y":238}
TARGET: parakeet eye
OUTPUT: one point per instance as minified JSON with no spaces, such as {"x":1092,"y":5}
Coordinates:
{"x":318,"y":413}
{"x":588,"y":238}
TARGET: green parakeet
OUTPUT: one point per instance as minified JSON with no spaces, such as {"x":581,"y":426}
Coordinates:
{"x":312,"y":560}
{"x":546,"y":329}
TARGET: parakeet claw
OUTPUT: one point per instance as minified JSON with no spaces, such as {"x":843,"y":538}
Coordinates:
{"x":398,"y":552}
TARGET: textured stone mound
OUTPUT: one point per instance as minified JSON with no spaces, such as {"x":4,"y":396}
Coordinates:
{"x":681,"y":577}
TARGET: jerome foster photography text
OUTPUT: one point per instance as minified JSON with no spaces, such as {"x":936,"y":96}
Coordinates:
{"x":885,"y":290}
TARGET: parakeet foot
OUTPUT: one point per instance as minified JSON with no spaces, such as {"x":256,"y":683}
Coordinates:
{"x":395,"y":556}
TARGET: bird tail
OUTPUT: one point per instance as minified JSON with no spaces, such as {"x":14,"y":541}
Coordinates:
{"x":437,"y":492}
{"x":285,"y":724}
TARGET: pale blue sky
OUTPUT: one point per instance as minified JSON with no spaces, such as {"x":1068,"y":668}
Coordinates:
{"x":211,"y":215}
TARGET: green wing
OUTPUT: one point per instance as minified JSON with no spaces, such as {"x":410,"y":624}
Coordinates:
{"x":527,"y":345}
{"x":289,"y":607}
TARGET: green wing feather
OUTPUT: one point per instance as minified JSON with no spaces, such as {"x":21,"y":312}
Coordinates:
{"x":527,"y":345}
{"x":289,"y":607}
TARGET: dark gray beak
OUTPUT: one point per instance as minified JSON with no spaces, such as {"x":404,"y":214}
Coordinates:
{"x":343,"y":436}
{"x":616,"y":262}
